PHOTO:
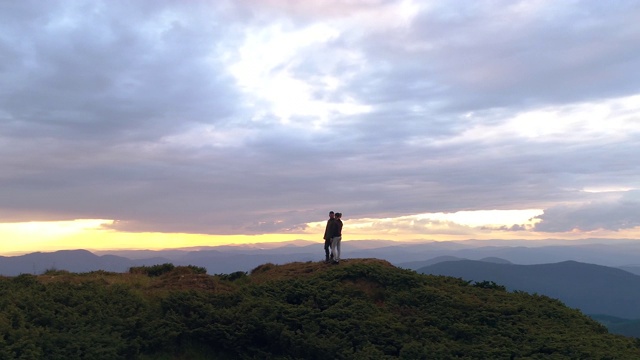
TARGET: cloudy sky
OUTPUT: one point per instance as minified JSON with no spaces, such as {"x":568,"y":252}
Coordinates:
{"x":174,"y":123}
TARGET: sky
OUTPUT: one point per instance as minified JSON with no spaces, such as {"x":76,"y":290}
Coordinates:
{"x":159,"y":124}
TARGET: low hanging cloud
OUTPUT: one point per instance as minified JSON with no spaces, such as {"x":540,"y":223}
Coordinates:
{"x":514,"y":228}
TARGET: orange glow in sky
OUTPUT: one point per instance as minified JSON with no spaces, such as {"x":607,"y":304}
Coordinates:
{"x":90,"y":234}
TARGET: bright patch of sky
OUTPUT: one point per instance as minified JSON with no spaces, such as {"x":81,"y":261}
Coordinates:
{"x":607,"y":189}
{"x":264,"y":72}
{"x":609,"y":120}
{"x":433,"y":222}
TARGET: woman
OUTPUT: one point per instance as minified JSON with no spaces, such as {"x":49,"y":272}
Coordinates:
{"x":336,"y":237}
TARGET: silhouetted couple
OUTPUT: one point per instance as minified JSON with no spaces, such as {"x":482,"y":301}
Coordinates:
{"x":333,"y":237}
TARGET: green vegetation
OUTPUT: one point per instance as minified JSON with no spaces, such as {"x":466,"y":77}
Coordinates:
{"x":619,"y":326}
{"x":157,"y":270}
{"x":360,"y":309}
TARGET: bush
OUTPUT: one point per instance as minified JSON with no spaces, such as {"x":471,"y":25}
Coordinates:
{"x":152,"y":271}
{"x":54,"y":271}
{"x":489,"y":285}
{"x":233,"y":276}
{"x":263,"y":268}
{"x":197,"y":269}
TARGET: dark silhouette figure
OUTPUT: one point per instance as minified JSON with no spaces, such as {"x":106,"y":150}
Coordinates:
{"x":327,"y":237}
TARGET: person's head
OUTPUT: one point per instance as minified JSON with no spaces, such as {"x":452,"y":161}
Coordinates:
{"x":331,"y":214}
{"x":338,"y":215}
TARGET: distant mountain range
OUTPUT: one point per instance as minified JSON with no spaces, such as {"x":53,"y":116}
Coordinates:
{"x":415,"y":265}
{"x":594,"y":289}
{"x":413,"y":255}
{"x":607,"y":252}
{"x":71,"y":260}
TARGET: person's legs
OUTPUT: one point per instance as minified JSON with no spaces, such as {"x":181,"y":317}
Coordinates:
{"x":327,"y":244}
{"x":333,"y":248}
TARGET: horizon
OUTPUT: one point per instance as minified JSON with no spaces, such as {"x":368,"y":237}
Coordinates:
{"x":176,"y":124}
{"x":372,"y":244}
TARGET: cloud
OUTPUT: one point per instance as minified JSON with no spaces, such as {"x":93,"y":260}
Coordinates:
{"x":107,"y":73}
{"x":613,"y":215}
{"x":250,"y":117}
{"x":458,"y":57}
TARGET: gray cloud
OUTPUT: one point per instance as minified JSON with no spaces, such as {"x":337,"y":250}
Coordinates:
{"x":615,"y":215}
{"x":469,"y":58}
{"x":128,"y":111}
{"x":108,"y":73}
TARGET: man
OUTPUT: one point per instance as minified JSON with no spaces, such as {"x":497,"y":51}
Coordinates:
{"x":327,"y":236}
{"x":336,"y":237}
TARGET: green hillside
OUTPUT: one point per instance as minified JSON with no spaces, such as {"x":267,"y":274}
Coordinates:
{"x":360,"y":309}
{"x":619,"y":326}
{"x":594,"y":289}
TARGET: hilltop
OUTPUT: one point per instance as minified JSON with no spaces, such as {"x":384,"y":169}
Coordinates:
{"x":360,"y":309}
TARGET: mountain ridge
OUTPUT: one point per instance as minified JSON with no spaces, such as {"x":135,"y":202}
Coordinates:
{"x":595,"y":289}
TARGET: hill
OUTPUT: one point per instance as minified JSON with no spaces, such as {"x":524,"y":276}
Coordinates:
{"x":69,"y":260}
{"x":594,"y":289}
{"x":634,"y":269}
{"x":223,"y":260}
{"x":620,"y":326}
{"x":360,"y":309}
{"x":416,"y":265}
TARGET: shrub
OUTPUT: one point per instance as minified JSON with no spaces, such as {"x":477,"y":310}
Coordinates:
{"x":152,"y":271}
{"x":489,"y":285}
{"x":263,"y":268}
{"x":233,"y":276}
{"x":54,"y":271}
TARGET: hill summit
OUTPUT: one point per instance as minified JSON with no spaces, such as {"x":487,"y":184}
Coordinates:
{"x":359,"y":309}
